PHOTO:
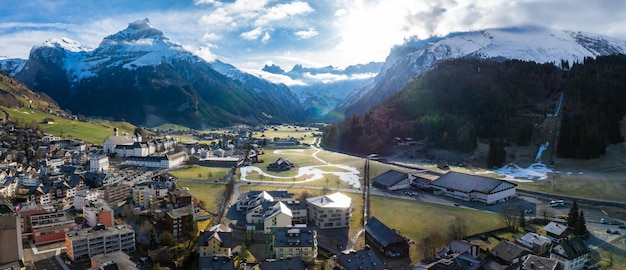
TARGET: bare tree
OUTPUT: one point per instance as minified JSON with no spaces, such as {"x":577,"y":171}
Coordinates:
{"x":511,"y":215}
{"x":458,"y":229}
{"x":546,"y":212}
{"x":430,"y":244}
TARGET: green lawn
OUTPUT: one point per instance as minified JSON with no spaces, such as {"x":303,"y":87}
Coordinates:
{"x":93,"y":131}
{"x":587,"y":185}
{"x":212,"y":194}
{"x":283,"y":131}
{"x":200,"y":173}
{"x":417,"y":219}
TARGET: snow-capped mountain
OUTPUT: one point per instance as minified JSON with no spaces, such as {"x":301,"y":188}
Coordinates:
{"x":321,"y":89}
{"x":139,"y":75}
{"x":524,"y":43}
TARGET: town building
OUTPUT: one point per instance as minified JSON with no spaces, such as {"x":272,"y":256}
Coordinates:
{"x":393,"y":180}
{"x":556,"y":231}
{"x":50,"y":226}
{"x":572,"y":254}
{"x":115,"y":260}
{"x":386,"y":240}
{"x":11,"y":249}
{"x":215,"y":241}
{"x":469,"y":187}
{"x":218,"y":263}
{"x":539,"y":244}
{"x":534,"y":262}
{"x":255,"y":197}
{"x":364,"y":259}
{"x":99,"y":240}
{"x":290,"y":242}
{"x":98,"y":212}
{"x":165,"y":161}
{"x":330,"y":211}
{"x":278,"y":215}
{"x":98,"y":163}
{"x":509,"y":253}
{"x":116,"y":193}
{"x":147,"y":193}
{"x":180,"y":197}
{"x":113,"y":141}
{"x":83,"y":196}
{"x":176,"y":218}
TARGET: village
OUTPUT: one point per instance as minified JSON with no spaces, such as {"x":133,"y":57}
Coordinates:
{"x":120,"y":204}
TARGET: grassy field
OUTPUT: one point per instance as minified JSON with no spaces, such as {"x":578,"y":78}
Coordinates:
{"x":212,"y":194}
{"x":284,"y":131}
{"x":416,"y":219}
{"x":93,"y":131}
{"x":200,"y":173}
{"x":589,"y":185}
{"x":171,"y":127}
{"x":615,"y":257}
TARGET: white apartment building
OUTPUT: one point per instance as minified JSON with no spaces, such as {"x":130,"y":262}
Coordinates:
{"x":99,"y":163}
{"x":330,"y":211}
{"x":83,"y":196}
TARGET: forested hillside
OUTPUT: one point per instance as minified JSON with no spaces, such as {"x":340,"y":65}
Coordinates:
{"x":460,"y":101}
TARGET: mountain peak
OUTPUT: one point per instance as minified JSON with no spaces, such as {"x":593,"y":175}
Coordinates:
{"x":137,"y":30}
{"x":67,"y":44}
{"x":140,"y":24}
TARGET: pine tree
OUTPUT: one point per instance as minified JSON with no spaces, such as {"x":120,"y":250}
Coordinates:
{"x":572,"y":216}
{"x":581,"y":227}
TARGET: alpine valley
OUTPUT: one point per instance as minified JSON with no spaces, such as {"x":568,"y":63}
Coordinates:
{"x":140,"y":76}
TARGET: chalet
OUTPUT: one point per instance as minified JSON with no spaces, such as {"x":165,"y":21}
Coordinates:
{"x":215,"y":241}
{"x":360,"y":260}
{"x":457,"y":255}
{"x":572,"y":254}
{"x":539,"y":244}
{"x":217,"y":262}
{"x":534,"y":262}
{"x":510,"y":253}
{"x":469,"y":187}
{"x":48,"y":121}
{"x":281,"y":164}
{"x":556,"y":231}
{"x":386,"y":240}
{"x":393,"y":180}
{"x":288,"y":263}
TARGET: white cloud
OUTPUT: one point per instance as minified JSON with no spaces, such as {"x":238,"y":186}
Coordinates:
{"x":210,"y":2}
{"x":340,"y":12}
{"x":282,"y":11}
{"x":329,"y":77}
{"x":266,"y":37}
{"x":252,"y":34}
{"x":275,"y":78}
{"x":211,"y":37}
{"x":307,"y":34}
{"x":202,"y":52}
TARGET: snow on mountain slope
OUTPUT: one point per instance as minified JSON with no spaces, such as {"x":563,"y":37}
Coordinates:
{"x":536,"y":44}
{"x":157,"y":78}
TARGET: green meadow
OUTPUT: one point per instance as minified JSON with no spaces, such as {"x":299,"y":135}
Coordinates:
{"x":93,"y":131}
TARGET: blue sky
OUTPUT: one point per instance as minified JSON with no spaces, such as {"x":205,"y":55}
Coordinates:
{"x":252,"y":33}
